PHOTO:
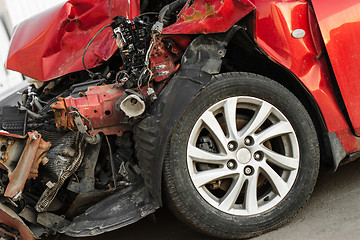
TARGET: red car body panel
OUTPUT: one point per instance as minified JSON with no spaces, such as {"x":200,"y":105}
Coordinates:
{"x":209,"y":16}
{"x":60,"y":43}
{"x":59,"y":37}
{"x":339,"y":22}
{"x":275,"y":22}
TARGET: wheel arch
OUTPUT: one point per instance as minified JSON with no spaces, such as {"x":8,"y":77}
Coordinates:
{"x":201,"y":60}
{"x":254,"y":60}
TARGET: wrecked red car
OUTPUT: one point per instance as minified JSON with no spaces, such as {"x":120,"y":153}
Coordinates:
{"x":223,"y":110}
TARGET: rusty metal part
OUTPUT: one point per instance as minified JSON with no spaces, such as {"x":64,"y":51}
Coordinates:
{"x":10,"y":218}
{"x":11,"y":148}
{"x":21,"y":158}
{"x":97,"y":107}
{"x":49,"y":194}
{"x":61,"y":115}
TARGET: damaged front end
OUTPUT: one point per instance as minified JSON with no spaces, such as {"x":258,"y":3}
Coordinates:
{"x":68,"y":162}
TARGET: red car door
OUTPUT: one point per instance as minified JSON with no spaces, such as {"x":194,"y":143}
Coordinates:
{"x":339,"y":23}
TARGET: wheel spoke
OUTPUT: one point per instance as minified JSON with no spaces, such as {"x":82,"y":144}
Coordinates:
{"x":258,"y":119}
{"x":204,"y":177}
{"x":276,"y":181}
{"x":288,"y":163}
{"x":202,"y":156}
{"x":251,"y":203}
{"x":214,"y":127}
{"x":230,"y":117}
{"x":275,"y":130}
{"x":232,"y":194}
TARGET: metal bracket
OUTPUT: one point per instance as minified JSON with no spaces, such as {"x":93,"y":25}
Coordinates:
{"x":79,"y":123}
{"x":82,"y":128}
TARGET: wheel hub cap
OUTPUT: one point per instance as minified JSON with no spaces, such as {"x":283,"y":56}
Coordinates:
{"x":243,"y":156}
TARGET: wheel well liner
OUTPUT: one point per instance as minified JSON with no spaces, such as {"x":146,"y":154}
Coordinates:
{"x":202,"y":58}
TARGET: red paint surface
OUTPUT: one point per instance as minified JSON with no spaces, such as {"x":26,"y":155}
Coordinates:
{"x":51,"y":44}
{"x":275,"y":21}
{"x":210,"y":16}
{"x":339,"y":22}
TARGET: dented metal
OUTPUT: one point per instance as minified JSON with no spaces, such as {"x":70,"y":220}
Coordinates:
{"x":209,"y":16}
{"x":61,"y":36}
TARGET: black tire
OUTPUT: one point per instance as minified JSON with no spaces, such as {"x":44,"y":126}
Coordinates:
{"x":197,"y":210}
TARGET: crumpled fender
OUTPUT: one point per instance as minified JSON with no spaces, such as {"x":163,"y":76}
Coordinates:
{"x":51,"y":44}
{"x":209,"y":16}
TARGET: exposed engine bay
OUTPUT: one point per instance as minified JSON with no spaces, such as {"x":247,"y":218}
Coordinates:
{"x":69,"y":142}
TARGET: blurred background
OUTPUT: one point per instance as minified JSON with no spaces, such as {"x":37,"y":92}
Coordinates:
{"x":12,"y":12}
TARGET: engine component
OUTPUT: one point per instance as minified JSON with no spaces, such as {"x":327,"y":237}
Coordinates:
{"x":61,"y":155}
{"x":96,"y":107}
{"x":133,"y":38}
{"x":71,"y":162}
{"x":86,"y":183}
{"x":12,"y":120}
{"x":21,"y":157}
{"x":133,"y":41}
{"x":132,"y":106}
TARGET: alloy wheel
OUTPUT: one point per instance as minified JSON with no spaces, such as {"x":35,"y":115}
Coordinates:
{"x":243,"y":156}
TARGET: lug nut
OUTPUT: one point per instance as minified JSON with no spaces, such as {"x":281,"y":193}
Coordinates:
{"x":232,"y":146}
{"x":258,"y":156}
{"x":231,"y":164}
{"x":248,"y":141}
{"x":248,"y":170}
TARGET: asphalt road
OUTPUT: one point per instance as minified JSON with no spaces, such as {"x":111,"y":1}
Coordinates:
{"x":331,"y":213}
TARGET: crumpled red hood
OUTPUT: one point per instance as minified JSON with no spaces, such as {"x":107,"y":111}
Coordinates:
{"x":51,"y":44}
